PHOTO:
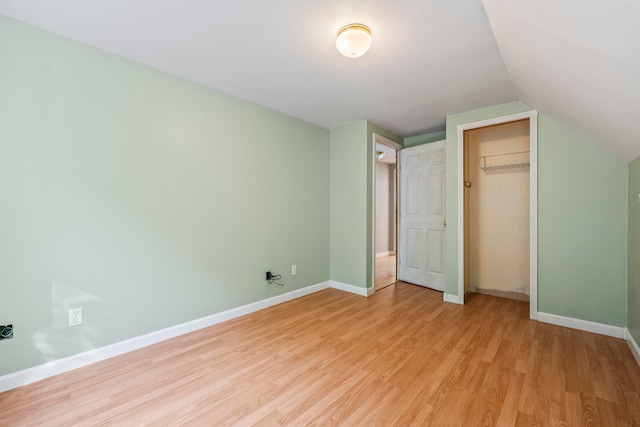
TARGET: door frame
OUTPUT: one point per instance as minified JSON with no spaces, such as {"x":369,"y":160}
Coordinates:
{"x":533,"y":201}
{"x":377,"y":138}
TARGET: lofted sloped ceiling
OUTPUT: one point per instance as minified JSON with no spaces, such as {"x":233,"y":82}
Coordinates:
{"x":576,"y":61}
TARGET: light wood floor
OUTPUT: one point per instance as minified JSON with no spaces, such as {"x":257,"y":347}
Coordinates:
{"x":385,"y":271}
{"x":399,"y":357}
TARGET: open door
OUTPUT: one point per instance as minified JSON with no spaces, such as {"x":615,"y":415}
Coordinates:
{"x":421,"y":245}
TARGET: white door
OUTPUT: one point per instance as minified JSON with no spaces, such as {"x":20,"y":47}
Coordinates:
{"x":422,"y":221}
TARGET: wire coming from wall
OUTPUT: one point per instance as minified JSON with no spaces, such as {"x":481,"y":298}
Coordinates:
{"x":272,"y":284}
{"x":6,"y":332}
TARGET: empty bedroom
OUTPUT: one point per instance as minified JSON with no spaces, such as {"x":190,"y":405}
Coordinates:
{"x":325,"y":212}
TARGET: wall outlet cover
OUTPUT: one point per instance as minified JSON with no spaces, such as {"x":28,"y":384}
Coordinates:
{"x":75,"y":316}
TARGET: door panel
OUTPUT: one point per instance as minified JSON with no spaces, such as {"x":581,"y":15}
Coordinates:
{"x":413,"y":248}
{"x":436,"y":195}
{"x":435,"y":243}
{"x":422,"y":208}
{"x":413,"y":193}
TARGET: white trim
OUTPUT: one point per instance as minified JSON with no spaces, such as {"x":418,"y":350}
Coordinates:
{"x":533,"y":200}
{"x":387,"y":253}
{"x":40,"y":372}
{"x":452,"y":298}
{"x":373,"y":206}
{"x":460,"y":187}
{"x":583,"y":325}
{"x":377,"y":138}
{"x":633,"y":345}
{"x":365,"y":292}
{"x":533,"y":215}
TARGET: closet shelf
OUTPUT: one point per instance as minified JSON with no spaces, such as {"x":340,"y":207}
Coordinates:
{"x":511,"y":162}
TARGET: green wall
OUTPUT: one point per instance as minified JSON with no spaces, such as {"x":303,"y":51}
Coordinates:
{"x":145,"y":199}
{"x":582,"y":227}
{"x":582,"y":217}
{"x":412,"y":141}
{"x":633,"y":308}
{"x":349,"y":230}
{"x":353,"y":203}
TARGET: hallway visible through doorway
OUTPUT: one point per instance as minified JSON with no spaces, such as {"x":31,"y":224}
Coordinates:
{"x":385,"y":211}
{"x":385,"y":271}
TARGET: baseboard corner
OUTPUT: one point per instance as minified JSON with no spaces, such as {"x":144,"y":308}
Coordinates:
{"x":633,"y":345}
{"x":365,"y":292}
{"x":582,"y":325}
{"x":455,"y":299}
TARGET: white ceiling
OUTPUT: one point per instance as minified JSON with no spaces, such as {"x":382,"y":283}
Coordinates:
{"x":576,"y":61}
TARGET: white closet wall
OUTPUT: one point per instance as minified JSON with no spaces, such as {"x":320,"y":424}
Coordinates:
{"x":497,"y":209}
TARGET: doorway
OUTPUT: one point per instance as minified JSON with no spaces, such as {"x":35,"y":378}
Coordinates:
{"x":496,"y":210}
{"x":385,"y":231}
{"x":504,"y":163}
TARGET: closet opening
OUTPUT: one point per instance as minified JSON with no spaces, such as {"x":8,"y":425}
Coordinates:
{"x":496,"y":210}
{"x":462,"y":265}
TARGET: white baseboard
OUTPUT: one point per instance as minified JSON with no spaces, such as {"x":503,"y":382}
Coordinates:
{"x":37,"y":373}
{"x":387,"y":253}
{"x":583,"y":325}
{"x":456,"y":299}
{"x":633,"y":345}
{"x":365,"y":292}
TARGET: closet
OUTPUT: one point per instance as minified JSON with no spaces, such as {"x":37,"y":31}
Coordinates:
{"x":496,"y":210}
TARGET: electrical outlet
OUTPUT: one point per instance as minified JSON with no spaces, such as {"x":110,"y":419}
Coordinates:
{"x":75,"y":316}
{"x":6,"y":332}
{"x":294,"y":270}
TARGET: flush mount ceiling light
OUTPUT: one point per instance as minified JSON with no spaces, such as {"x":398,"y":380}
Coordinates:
{"x":354,"y":40}
{"x":380,"y":154}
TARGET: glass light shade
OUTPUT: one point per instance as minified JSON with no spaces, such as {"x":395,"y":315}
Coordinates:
{"x":353,"y":40}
